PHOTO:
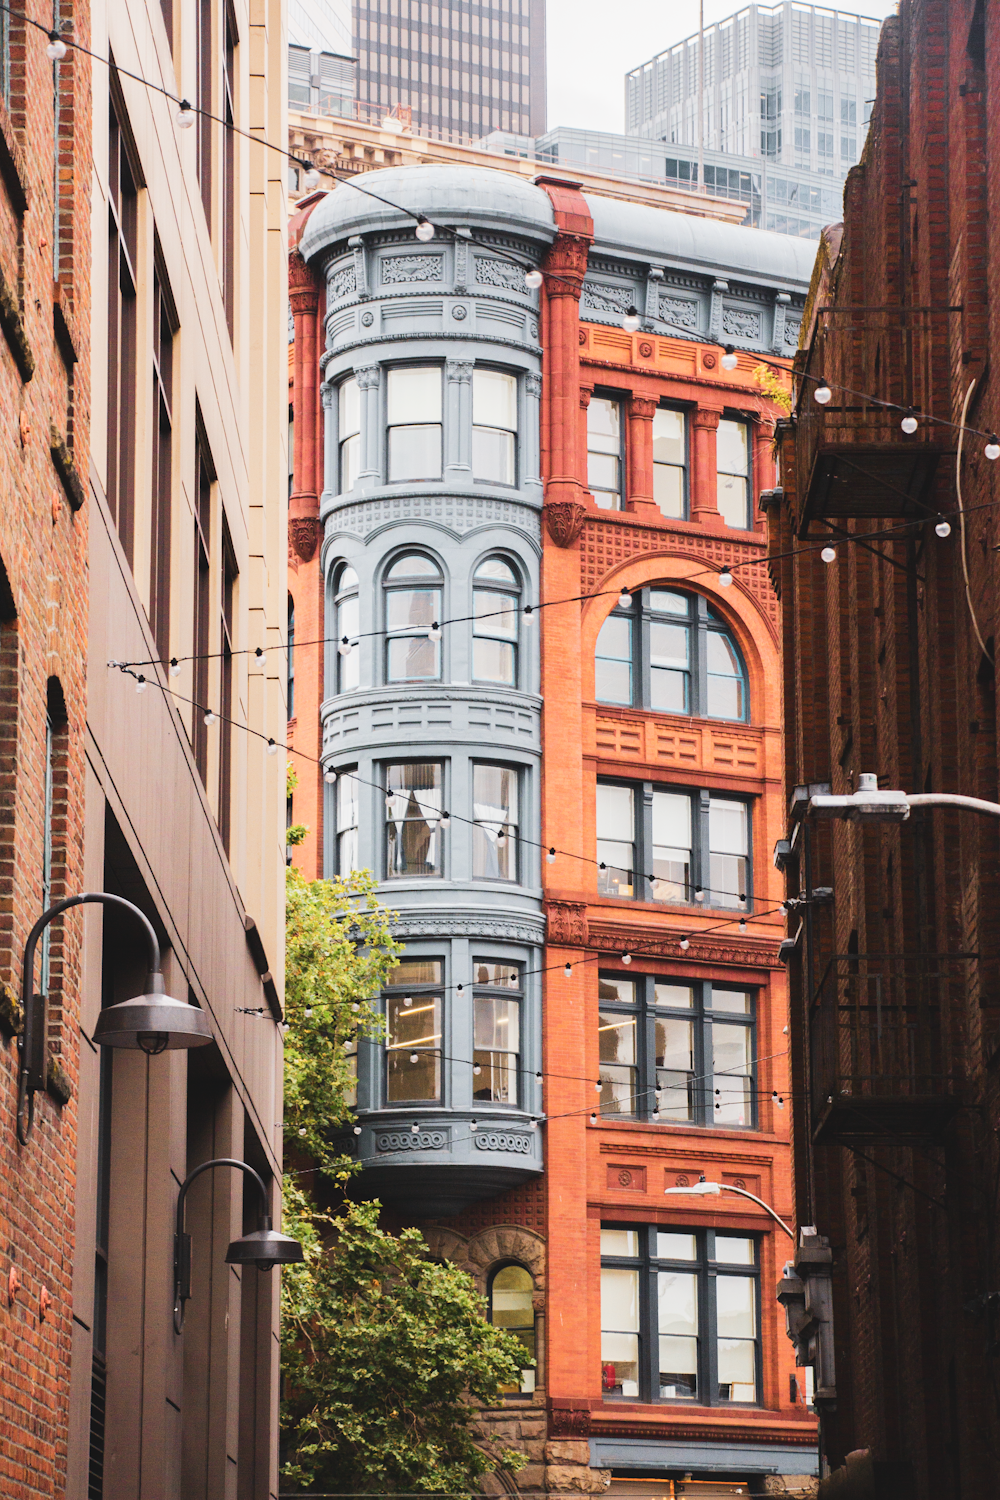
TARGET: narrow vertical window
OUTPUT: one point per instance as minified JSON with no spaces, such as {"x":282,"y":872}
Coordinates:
{"x":349,"y":410}
{"x":669,"y":652}
{"x":733,"y":469}
{"x":672,"y":849}
{"x":203,"y":41}
{"x":512,"y":1308}
{"x":620,"y":1323}
{"x":414,"y":414}
{"x":202,"y":634}
{"x":729,"y":849}
{"x":227,"y":631}
{"x":604,"y":451}
{"x":496,"y":1028}
{"x":348,"y":607}
{"x":496,"y":593}
{"x":412,"y":605}
{"x":228,"y":204}
{"x":347,"y":822}
{"x":494,"y":831}
{"x":123,"y":213}
{"x":164,"y":328}
{"x":670,"y":462}
{"x":413,"y":804}
{"x":615,"y":839}
{"x":494,"y":426}
{"x":613,"y":669}
{"x":291,"y":658}
{"x":617,"y":1046}
{"x":413,"y":1020}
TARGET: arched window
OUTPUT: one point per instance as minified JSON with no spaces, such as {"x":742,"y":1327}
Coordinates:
{"x":510,"y":1294}
{"x":413,"y":595}
{"x":495,"y":596}
{"x":670,"y":652}
{"x":348,"y":667}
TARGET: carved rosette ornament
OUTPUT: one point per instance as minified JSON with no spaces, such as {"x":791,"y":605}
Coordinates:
{"x":304,"y":536}
{"x":565,"y":521}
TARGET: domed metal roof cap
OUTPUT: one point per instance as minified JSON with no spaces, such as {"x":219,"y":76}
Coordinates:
{"x":264,"y":1247}
{"x":446,"y":195}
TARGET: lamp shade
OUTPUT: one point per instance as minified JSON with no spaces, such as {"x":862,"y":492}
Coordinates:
{"x":264,"y":1247}
{"x":152,"y":1023}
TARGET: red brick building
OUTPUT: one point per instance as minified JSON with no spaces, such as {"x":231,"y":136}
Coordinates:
{"x":658,"y":998}
{"x":44,"y":454}
{"x":889,"y":658}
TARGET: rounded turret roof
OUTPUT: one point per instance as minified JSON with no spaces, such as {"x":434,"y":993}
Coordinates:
{"x":443,"y":193}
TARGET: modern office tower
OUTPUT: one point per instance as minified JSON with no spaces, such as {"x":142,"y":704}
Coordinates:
{"x":321,"y":68}
{"x":461,"y":69}
{"x":571,"y":808}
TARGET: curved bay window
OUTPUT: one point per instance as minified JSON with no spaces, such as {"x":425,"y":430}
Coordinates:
{"x":679,"y":1315}
{"x":497,"y":1032}
{"x":413,"y":596}
{"x":494,"y":830}
{"x":511,"y":1308}
{"x":349,"y":432}
{"x":669,"y":652}
{"x":348,"y":625}
{"x":413,"y":1002}
{"x":413,"y":836}
{"x":414,"y":422}
{"x":496,"y":594}
{"x":494,"y":426}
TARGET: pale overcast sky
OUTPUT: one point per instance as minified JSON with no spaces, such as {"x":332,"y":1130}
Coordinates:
{"x":592,"y":44}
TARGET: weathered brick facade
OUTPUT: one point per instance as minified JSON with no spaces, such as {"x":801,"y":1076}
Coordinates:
{"x":889,"y":655}
{"x":44,"y":463}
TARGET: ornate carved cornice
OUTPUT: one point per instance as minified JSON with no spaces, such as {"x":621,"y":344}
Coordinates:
{"x":565,"y":520}
{"x":524,"y":929}
{"x":743,"y":952}
{"x":643,"y":407}
{"x":567,"y":257}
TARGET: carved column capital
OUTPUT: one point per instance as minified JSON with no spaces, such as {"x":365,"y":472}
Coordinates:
{"x":566,"y":259}
{"x":368,"y":377}
{"x":706,"y":417}
{"x":533,"y":384}
{"x":643,"y":407}
{"x":459,"y":370}
{"x":303,"y":293}
{"x":586,"y":392}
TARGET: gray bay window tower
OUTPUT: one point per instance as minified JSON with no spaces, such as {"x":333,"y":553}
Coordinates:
{"x":431,"y":382}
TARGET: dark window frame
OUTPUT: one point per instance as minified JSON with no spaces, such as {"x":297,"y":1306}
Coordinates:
{"x":646,"y":1010}
{"x":123,"y":300}
{"x":414,"y":582}
{"x":384,"y":769}
{"x":499,"y":992}
{"x":165,"y":326}
{"x":701,"y":852}
{"x":740,"y":419}
{"x":228,"y":197}
{"x":519,"y":774}
{"x":706,"y":1268}
{"x":202,"y":632}
{"x":227,"y":686}
{"x":438,"y":991}
{"x":515,"y":431}
{"x":701,"y":620}
{"x":204,"y":40}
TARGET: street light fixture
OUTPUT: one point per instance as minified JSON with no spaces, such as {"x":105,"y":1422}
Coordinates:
{"x":263,"y":1247}
{"x":151,"y":1022}
{"x":870,"y":804}
{"x":705,"y":1189}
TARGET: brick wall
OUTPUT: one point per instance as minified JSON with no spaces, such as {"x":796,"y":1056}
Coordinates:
{"x":44,"y":403}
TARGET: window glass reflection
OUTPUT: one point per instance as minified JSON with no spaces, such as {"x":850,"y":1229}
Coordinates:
{"x":615,"y":839}
{"x":495,"y":814}
{"x":413,"y":808}
{"x":414,"y":422}
{"x":410,"y":612}
{"x":494,"y":431}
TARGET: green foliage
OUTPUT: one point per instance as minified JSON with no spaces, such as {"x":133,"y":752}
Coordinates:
{"x":385,"y":1353}
{"x":295,"y":833}
{"x":773,"y":387}
{"x":339,"y":950}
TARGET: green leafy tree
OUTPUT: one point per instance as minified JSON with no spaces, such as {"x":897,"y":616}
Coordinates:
{"x":385,"y":1352}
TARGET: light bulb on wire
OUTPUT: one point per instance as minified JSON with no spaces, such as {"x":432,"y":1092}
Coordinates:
{"x":684,"y":944}
{"x":729,"y":360}
{"x":424,"y":231}
{"x":725,"y":578}
{"x":823,"y":395}
{"x":550,"y":858}
{"x":56,"y":48}
{"x":943,"y":528}
{"x":185,"y":115}
{"x":626,"y":958}
{"x":272,"y":747}
{"x":624,"y":599}
{"x":435,"y":632}
{"x":631,"y":321}
{"x":140,"y":684}
{"x":533,"y":279}
{"x":311,"y":180}
{"x":175,"y":667}
{"x":345,"y":647}
{"x":528,"y":615}
{"x":992,"y":449}
{"x":210,"y":718}
{"x":568,"y":971}
{"x":909,"y":423}
{"x":445,"y":821}
{"x":829,"y":554}
{"x":593,"y":1119}
{"x":330,"y":776}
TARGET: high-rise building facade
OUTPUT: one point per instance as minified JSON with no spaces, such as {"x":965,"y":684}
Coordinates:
{"x":462,"y":68}
{"x":583,"y":1016}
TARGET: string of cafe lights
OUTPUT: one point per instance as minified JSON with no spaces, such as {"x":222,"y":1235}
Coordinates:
{"x":59,"y":42}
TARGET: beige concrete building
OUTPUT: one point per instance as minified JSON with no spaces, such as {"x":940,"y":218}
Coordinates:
{"x":188,"y":486}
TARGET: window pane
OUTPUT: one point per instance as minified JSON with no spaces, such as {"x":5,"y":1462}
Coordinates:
{"x":413,"y":806}
{"x":505,"y":976}
{"x":620,"y":1364}
{"x":495,"y":614}
{"x":348,"y":623}
{"x":613,"y":661}
{"x":347,"y":802}
{"x":668,"y":491}
{"x":609,"y":988}
{"x":670,"y":1246}
{"x":678,"y":1368}
{"x":413,"y":1032}
{"x":619,"y":1299}
{"x":664,"y":602}
{"x":412,"y":659}
{"x":616,"y":1038}
{"x":736,"y":1306}
{"x":725,"y":698}
{"x":350,"y":408}
{"x":677,"y":996}
{"x":614,"y":812}
{"x":671,"y":846}
{"x":736,"y":1001}
{"x":731,"y":447}
{"x":728,"y":835}
{"x":602,"y":472}
{"x":347,"y":851}
{"x":617,"y":1089}
{"x":668,"y":436}
{"x":413,"y":565}
{"x":737,"y":1370}
{"x":350,"y":462}
{"x":674,"y":1059}
{"x":494,"y":399}
{"x":732,"y":501}
{"x":604,"y":424}
{"x":348,"y":579}
{"x":493,"y":455}
{"x":734,"y":1252}
{"x":731,"y":1049}
{"x":619,"y":1242}
{"x":492,"y":661}
{"x":677,"y":1299}
{"x":405,"y":608}
{"x":669,"y":650}
{"x":496,"y":568}
{"x":415,"y":394}
{"x":495,"y":1047}
{"x":417,"y":971}
{"x":414,"y":453}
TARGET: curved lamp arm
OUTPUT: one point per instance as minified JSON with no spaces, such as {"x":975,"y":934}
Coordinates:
{"x":704,"y":1189}
{"x":728,"y":1188}
{"x":31,"y":1043}
{"x":182,"y":1241}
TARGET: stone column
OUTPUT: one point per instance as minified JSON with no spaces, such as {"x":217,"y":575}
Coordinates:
{"x":303,"y":504}
{"x":329,"y":399}
{"x":639,"y":488}
{"x":458,"y":421}
{"x":369,"y":379}
{"x":531,"y":470}
{"x":704,"y":488}
{"x":586,"y":391}
{"x":763,"y":462}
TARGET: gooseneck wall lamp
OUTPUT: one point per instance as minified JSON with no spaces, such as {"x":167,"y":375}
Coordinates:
{"x":705,"y":1189}
{"x":264,"y":1247}
{"x":151,"y":1022}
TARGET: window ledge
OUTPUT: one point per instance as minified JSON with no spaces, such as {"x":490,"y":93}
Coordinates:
{"x":13,"y":166}
{"x":13,"y":326}
{"x":69,"y":478}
